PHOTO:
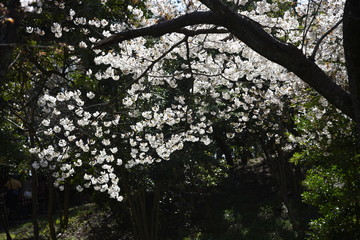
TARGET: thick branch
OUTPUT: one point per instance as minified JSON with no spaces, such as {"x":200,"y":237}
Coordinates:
{"x":191,"y":33}
{"x":162,"y":28}
{"x":286,"y":55}
{"x":254,"y":36}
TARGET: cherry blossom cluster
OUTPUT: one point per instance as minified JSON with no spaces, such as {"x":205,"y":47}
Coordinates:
{"x":181,"y":87}
{"x":31,"y":5}
{"x":321,"y":116}
{"x":75,"y":140}
{"x":262,"y":86}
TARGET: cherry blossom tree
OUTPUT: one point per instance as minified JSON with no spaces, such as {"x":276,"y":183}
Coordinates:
{"x":42,"y":64}
{"x":180,"y":71}
{"x":304,"y":41}
{"x":254,"y":35}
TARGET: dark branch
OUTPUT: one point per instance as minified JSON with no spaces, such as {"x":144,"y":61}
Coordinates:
{"x":191,"y":33}
{"x":316,"y":48}
{"x":286,"y":55}
{"x":162,"y":28}
{"x":308,"y":27}
{"x":255,"y":37}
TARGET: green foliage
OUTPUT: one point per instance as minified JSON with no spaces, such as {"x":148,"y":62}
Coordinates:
{"x":335,"y":190}
{"x":12,"y":155}
{"x":332,"y":183}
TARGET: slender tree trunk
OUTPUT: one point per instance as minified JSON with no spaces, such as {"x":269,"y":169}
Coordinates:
{"x":278,"y":170}
{"x":143,"y":212}
{"x":4,"y":219}
{"x":66,"y":206}
{"x":59,"y":205}
{"x":145,"y":218}
{"x":155,"y":214}
{"x":35,"y":204}
{"x":51,"y":207}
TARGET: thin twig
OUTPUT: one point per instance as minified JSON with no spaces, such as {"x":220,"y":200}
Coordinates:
{"x":309,"y":26}
{"x":305,"y":25}
{"x":15,"y":124}
{"x":316,"y":48}
{"x":13,"y":62}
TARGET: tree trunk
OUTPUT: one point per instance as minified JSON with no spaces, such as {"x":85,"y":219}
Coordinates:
{"x":145,"y":216}
{"x":35,"y":204}
{"x":51,"y":207}
{"x":66,"y":206}
{"x":351,"y":35}
{"x":4,"y":219}
{"x":60,"y":206}
{"x":279,"y":170}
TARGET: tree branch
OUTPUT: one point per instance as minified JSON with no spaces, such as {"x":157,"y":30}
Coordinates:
{"x":191,"y":33}
{"x":255,"y":37}
{"x":286,"y":55}
{"x":141,"y":75}
{"x":162,"y":28}
{"x":322,"y":38}
{"x":307,"y":27}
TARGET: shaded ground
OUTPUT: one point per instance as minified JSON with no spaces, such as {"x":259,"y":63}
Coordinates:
{"x":86,"y":222}
{"x":244,"y":206}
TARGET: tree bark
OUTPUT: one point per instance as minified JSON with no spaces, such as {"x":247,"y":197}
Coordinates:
{"x":60,"y":208}
{"x":51,"y":207}
{"x":66,"y":206}
{"x":351,"y":35}
{"x":35,"y":204}
{"x":4,"y":218}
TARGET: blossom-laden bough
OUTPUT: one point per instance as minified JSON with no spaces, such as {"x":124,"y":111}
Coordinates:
{"x":179,"y":71}
{"x":209,"y":59}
